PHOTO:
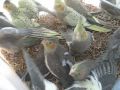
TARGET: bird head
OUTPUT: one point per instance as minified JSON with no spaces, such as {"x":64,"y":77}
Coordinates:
{"x":78,"y":71}
{"x":80,"y":32}
{"x":9,"y":39}
{"x":49,"y":44}
{"x":9,"y":6}
{"x":74,"y":71}
{"x":59,"y":6}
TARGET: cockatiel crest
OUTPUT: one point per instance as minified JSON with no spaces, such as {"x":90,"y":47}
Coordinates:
{"x":59,"y":5}
{"x":80,"y":32}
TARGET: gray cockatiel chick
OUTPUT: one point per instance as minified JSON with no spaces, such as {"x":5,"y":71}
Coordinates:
{"x":38,"y":82}
{"x":80,"y":8}
{"x":70,"y":17}
{"x":14,"y":39}
{"x":77,"y":5}
{"x":9,"y":80}
{"x":82,"y":69}
{"x":111,"y":8}
{"x":58,"y":61}
{"x":4,"y":21}
{"x":102,"y":77}
{"x":81,"y":39}
{"x":39,"y":60}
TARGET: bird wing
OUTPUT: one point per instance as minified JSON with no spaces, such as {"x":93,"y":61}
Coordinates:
{"x":35,"y":75}
{"x":44,"y":32}
{"x":106,"y":72}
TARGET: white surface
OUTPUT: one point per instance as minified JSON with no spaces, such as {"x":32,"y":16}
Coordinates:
{"x":9,"y":79}
{"x":117,"y":85}
{"x":49,"y":85}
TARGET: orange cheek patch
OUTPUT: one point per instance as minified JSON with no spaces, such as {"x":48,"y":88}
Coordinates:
{"x":60,"y":8}
{"x":52,"y":45}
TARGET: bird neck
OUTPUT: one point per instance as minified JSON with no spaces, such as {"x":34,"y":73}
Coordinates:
{"x":59,"y":6}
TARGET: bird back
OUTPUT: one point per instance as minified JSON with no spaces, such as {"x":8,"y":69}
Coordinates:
{"x":106,"y":73}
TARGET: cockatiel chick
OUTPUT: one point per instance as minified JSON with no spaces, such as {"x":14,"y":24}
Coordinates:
{"x":14,"y":39}
{"x":82,"y":69}
{"x":38,"y":81}
{"x":81,"y":9}
{"x":19,"y":18}
{"x":81,"y":39}
{"x":102,"y":77}
{"x":71,"y":17}
{"x":111,"y":8}
{"x":25,"y":14}
{"x":58,"y":61}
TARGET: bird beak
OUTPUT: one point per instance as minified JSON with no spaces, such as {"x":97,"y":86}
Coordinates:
{"x":71,"y":73}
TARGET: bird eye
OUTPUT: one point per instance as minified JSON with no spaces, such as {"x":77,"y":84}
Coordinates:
{"x":6,"y":6}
